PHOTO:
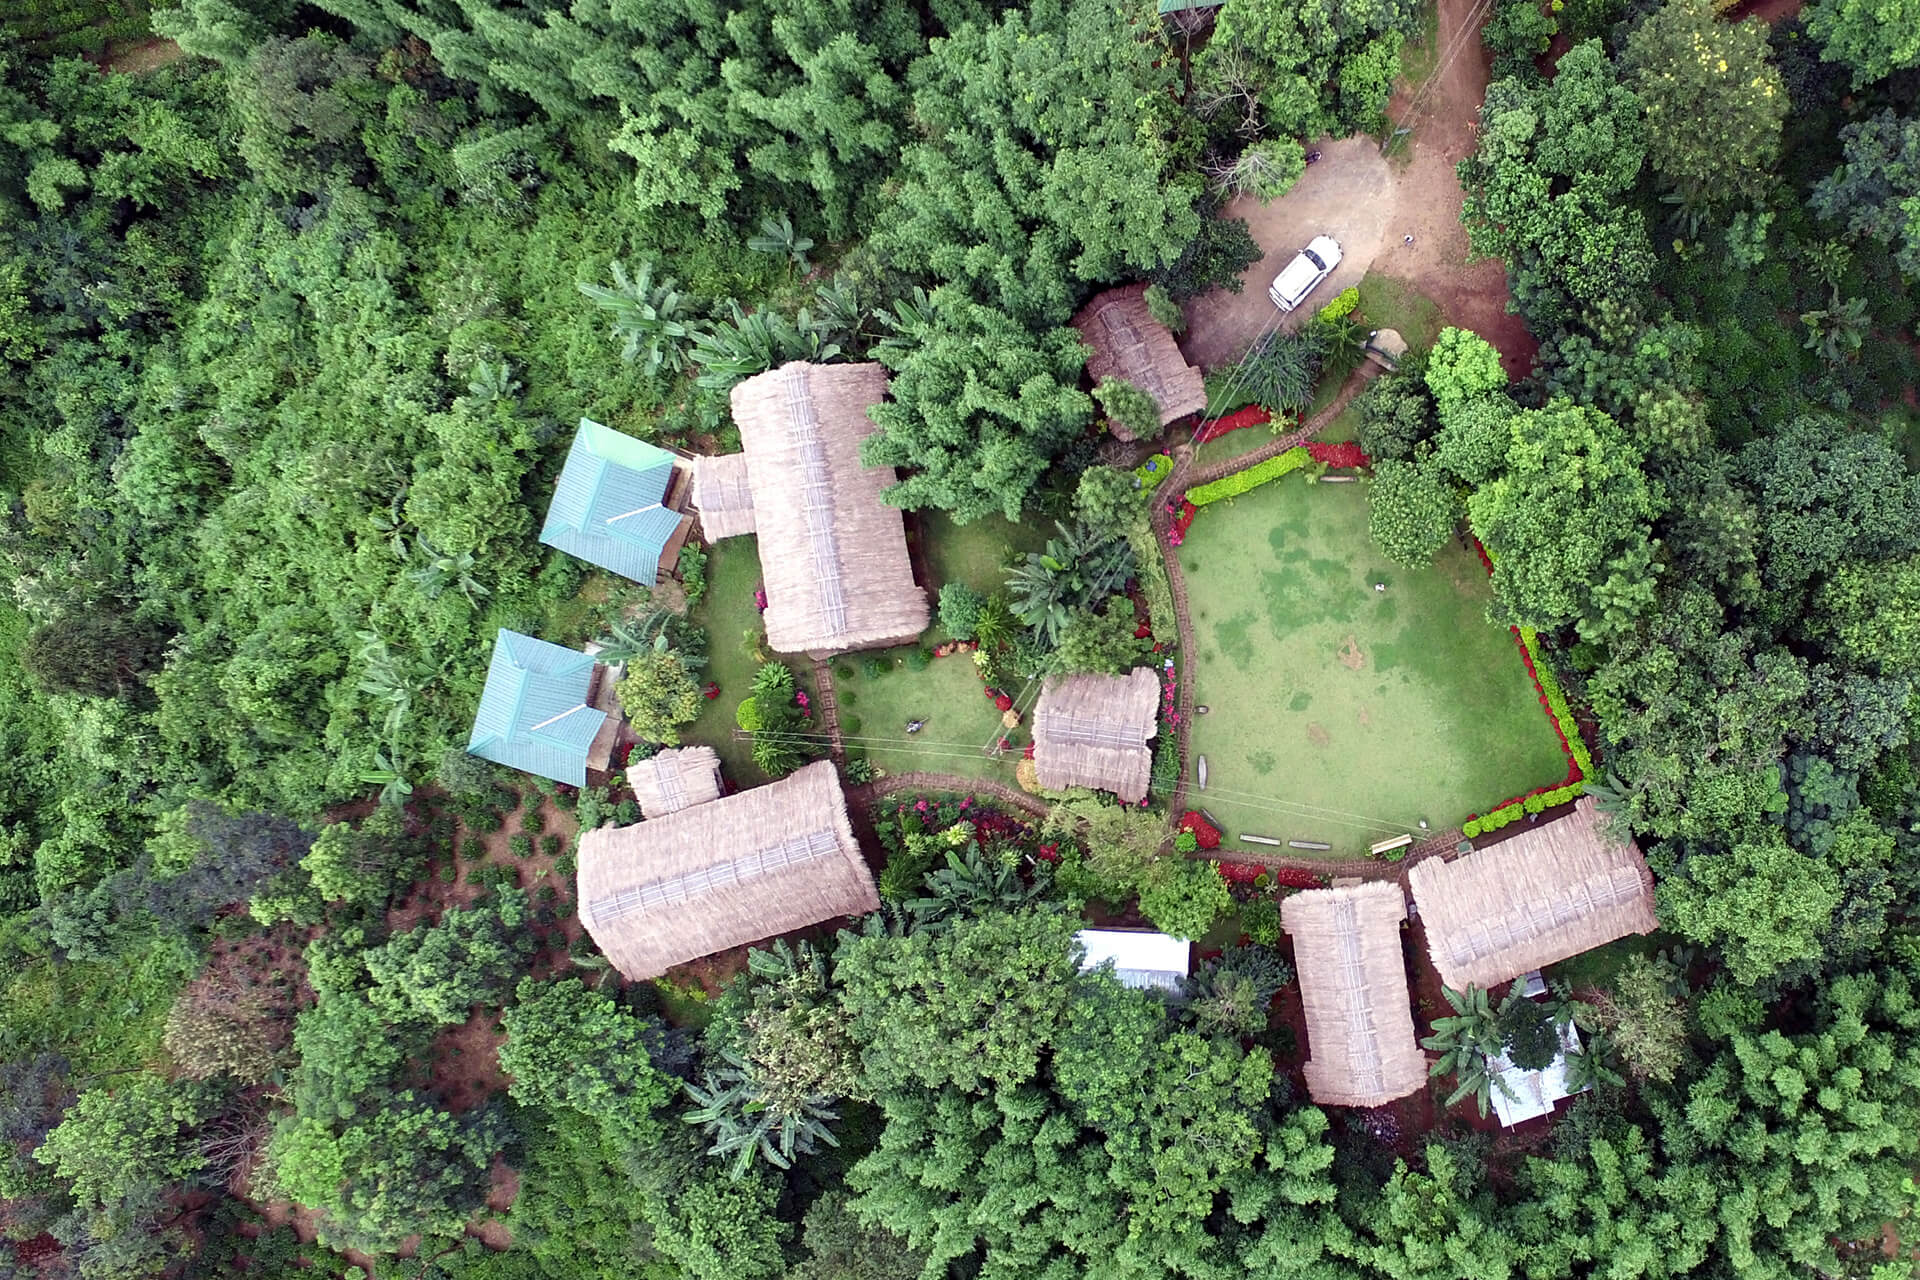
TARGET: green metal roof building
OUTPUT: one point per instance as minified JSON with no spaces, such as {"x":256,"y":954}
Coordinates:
{"x":614,"y":505}
{"x":535,"y":713}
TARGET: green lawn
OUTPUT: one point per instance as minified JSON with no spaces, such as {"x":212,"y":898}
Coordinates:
{"x":1386,"y":303}
{"x":1339,"y":713}
{"x":948,"y":695}
{"x":976,"y":553}
{"x":728,"y":613}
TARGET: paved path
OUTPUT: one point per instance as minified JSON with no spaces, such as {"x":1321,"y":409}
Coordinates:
{"x":919,"y":783}
{"x":827,"y":701}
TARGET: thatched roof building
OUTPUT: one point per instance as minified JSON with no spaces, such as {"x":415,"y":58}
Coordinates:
{"x":1361,"y":1050}
{"x":617,"y":504}
{"x":1551,"y":892}
{"x":1127,"y":342}
{"x":722,"y":496}
{"x":716,"y":875}
{"x":1092,"y":731}
{"x":833,"y":556}
{"x":674,"y":780}
{"x":537,"y":711}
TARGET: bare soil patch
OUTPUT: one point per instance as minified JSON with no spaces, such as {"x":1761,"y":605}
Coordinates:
{"x":1350,"y":656}
{"x":132,"y":57}
{"x":1371,"y":205}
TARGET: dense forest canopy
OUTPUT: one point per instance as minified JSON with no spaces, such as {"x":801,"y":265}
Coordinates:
{"x":293,"y":333}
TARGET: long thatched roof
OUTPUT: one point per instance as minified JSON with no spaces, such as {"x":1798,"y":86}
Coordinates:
{"x":1127,"y":342}
{"x":1092,"y":731}
{"x":674,"y":780}
{"x":716,"y":875}
{"x":832,"y":554}
{"x":1361,"y":1050}
{"x":1551,"y":892}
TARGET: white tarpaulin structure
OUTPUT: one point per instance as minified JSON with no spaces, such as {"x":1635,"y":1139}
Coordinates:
{"x":1140,"y":959}
{"x":1531,"y":1094}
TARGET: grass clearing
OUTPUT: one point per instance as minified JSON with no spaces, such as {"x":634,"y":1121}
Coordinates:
{"x":947,"y":694}
{"x":976,"y":553}
{"x":1387,"y":303}
{"x":1340,"y":713}
{"x":729,"y":615}
{"x":1420,"y":55}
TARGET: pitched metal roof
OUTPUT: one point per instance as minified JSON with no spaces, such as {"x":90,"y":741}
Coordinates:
{"x":534,"y":714}
{"x":1140,"y":959}
{"x":608,"y":503}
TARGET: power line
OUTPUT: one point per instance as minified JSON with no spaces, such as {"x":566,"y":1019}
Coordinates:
{"x":1451,"y":53}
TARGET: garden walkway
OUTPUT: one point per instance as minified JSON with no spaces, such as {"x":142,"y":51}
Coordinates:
{"x":922,"y":783}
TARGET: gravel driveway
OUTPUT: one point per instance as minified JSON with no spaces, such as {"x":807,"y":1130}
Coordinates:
{"x":1347,"y":194}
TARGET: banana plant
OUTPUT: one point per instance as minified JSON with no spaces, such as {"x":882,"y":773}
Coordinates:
{"x":394,"y":787}
{"x":1467,"y":1040}
{"x":777,"y":237}
{"x":651,"y":320}
{"x":442,"y":569}
{"x":743,"y":1125}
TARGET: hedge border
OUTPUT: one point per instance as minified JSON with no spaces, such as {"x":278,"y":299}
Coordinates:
{"x":1232,"y":486}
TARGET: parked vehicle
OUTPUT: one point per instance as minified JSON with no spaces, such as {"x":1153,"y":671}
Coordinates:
{"x":1308,"y":268}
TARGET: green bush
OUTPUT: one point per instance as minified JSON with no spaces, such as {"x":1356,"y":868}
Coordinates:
{"x":859,"y":770}
{"x":1186,"y":842}
{"x":1252,"y":478}
{"x":919,"y":659}
{"x":1557,"y":703}
{"x":1153,"y":472}
{"x":849,"y":724}
{"x":1342,"y":306}
{"x":495,"y":875}
{"x":1184,"y":897}
{"x":520,"y":845}
{"x":474,"y":849}
{"x":533,"y":822}
{"x":1260,"y":921}
{"x":551,"y":845}
{"x":847,"y":697}
{"x":448,"y":873}
{"x":874,"y":668}
{"x":841,"y":671}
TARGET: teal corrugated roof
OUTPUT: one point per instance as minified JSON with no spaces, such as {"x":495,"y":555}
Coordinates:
{"x":607,"y":504}
{"x":533,"y":712}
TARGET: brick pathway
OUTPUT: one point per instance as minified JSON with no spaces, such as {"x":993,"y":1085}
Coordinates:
{"x":827,"y":702}
{"x":924,"y":783}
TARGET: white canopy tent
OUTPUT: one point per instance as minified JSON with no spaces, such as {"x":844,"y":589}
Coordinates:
{"x":1140,"y":959}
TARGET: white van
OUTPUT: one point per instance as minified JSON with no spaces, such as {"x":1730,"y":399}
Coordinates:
{"x":1309,"y":267}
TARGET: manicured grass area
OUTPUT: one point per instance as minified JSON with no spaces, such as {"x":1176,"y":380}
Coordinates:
{"x":1599,"y":967}
{"x":1387,"y":303}
{"x":729,"y":615}
{"x":976,"y":553}
{"x":948,"y":695}
{"x":1337,"y":712}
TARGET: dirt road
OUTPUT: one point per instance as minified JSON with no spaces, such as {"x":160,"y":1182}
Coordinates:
{"x":1370,"y":204}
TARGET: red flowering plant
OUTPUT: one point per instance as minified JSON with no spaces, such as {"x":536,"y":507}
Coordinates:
{"x":1003,"y":703}
{"x":1251,"y":416}
{"x":1343,"y":453}
{"x":1204,"y":832}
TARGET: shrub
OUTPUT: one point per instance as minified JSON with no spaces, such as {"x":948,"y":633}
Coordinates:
{"x":1183,"y":897}
{"x":533,"y":822}
{"x":1342,"y":306}
{"x":521,"y":845}
{"x":474,"y":849}
{"x":1162,"y":307}
{"x":1260,"y":920}
{"x":1557,"y":704}
{"x":448,"y":873}
{"x":850,"y":724}
{"x":496,"y":875}
{"x":693,"y":573}
{"x":848,"y":698}
{"x":919,"y":659}
{"x":551,"y":845}
{"x":1153,"y":472}
{"x":747,"y":715}
{"x":960,"y":607}
{"x":841,"y":671}
{"x":874,"y":668}
{"x":859,"y":771}
{"x":1186,"y":842}
{"x":1252,"y":478}
{"x":1129,"y":407}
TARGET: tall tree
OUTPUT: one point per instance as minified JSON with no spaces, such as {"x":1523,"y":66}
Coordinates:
{"x":1714,"y":102}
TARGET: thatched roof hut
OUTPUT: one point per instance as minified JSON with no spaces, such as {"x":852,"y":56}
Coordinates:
{"x":722,"y":496}
{"x":617,"y":504}
{"x":1127,"y":342}
{"x":749,"y":866}
{"x":832,"y":554}
{"x":1551,"y":892}
{"x":1361,"y":1050}
{"x":674,"y":780}
{"x":1092,"y":731}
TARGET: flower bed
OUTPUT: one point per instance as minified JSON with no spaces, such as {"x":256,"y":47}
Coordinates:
{"x":1252,"y":478}
{"x":1183,"y":515}
{"x":1343,"y":453}
{"x":1251,"y":416}
{"x":1204,"y":832}
{"x":1246,"y":873}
